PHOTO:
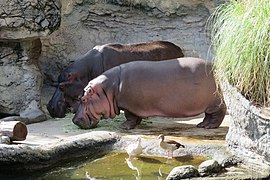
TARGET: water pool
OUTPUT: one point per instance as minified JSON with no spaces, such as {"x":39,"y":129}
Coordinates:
{"x":117,"y":166}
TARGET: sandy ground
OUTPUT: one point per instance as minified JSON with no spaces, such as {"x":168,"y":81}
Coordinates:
{"x":53,"y":130}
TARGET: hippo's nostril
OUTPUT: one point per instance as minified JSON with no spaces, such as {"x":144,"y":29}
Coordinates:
{"x":83,"y":99}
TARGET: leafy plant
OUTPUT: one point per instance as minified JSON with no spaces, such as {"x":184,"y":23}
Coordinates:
{"x":240,"y":33}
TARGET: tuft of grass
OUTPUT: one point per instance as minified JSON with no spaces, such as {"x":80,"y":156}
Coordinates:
{"x":240,"y":33}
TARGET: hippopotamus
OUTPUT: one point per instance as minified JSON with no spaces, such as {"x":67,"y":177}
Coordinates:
{"x":99,"y":59}
{"x":176,"y":88}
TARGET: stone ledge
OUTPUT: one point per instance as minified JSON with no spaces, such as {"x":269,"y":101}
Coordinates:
{"x":34,"y":157}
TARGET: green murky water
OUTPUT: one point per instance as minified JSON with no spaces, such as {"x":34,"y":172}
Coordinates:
{"x":117,"y":166}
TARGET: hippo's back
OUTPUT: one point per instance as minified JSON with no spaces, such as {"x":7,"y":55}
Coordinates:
{"x":116,"y":54}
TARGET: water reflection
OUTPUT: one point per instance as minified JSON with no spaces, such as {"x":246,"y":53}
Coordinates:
{"x":157,"y":166}
{"x":133,"y":165}
{"x":137,"y":165}
{"x":88,"y":176}
{"x":115,"y":166}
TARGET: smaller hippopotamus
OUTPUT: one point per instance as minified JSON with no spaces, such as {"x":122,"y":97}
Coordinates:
{"x":176,"y":88}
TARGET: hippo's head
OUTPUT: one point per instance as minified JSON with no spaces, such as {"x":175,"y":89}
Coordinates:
{"x":87,"y":116}
{"x":94,"y":106}
{"x":73,"y":91}
{"x":66,"y":95}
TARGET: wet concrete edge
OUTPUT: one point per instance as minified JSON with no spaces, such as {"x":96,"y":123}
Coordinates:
{"x":29,"y":158}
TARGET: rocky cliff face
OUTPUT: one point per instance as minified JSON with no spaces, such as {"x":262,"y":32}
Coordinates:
{"x":27,"y":19}
{"x":21,"y":24}
{"x":21,"y":78}
{"x":86,"y":23}
{"x":249,"y":130}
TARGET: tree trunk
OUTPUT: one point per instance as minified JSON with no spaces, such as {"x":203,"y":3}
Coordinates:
{"x":15,"y":130}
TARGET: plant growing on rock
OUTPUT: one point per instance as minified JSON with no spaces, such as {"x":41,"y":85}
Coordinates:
{"x":240,"y":32}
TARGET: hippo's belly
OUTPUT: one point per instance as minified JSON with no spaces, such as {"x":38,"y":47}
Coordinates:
{"x":180,"y":114}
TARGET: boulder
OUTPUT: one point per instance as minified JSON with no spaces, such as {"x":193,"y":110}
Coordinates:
{"x":209,"y":167}
{"x":182,"y":172}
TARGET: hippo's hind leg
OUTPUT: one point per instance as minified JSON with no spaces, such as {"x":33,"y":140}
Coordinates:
{"x":131,"y":122}
{"x":205,"y":121}
{"x":214,"y":116}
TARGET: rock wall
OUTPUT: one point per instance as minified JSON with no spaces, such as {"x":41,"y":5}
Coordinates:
{"x":27,"y":19}
{"x":86,"y":23}
{"x":249,"y":130}
{"x":21,"y":79}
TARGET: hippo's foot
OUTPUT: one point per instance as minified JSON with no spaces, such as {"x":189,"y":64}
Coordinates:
{"x":214,"y":119}
{"x":131,"y":122}
{"x":204,"y":123}
{"x":209,"y":123}
{"x":128,"y":125}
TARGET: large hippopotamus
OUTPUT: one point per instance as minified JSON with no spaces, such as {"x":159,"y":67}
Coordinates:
{"x":101,"y":58}
{"x":182,"y":87}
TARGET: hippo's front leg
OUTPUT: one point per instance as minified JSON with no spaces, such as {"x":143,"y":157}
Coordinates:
{"x":131,"y":122}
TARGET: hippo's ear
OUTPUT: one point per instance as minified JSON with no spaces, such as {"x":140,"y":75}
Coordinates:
{"x":89,"y":90}
{"x":73,"y":76}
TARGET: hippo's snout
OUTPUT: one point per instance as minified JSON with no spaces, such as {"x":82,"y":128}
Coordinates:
{"x":57,"y":106}
{"x":56,"y":111}
{"x":84,"y":123}
{"x":82,"y":119}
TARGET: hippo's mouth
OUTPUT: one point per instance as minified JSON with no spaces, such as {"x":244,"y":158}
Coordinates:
{"x":91,"y":120}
